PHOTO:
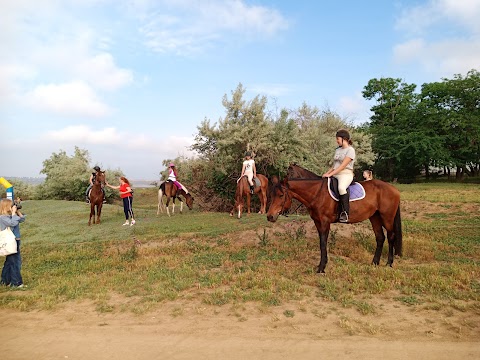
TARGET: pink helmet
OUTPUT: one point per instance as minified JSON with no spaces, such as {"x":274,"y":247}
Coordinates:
{"x":171,"y":164}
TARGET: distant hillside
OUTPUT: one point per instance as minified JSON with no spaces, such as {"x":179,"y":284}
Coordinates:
{"x":27,"y":180}
{"x":40,"y":180}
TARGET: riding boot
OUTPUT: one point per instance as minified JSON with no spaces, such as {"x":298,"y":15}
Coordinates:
{"x":345,"y":204}
{"x":87,"y":199}
{"x":252,"y":189}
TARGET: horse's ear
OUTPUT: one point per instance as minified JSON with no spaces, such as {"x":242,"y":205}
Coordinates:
{"x":275,"y":179}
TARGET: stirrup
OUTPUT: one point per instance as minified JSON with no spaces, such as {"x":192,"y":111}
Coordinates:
{"x":343,"y":218}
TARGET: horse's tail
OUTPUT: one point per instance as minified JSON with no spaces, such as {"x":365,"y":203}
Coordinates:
{"x":161,"y":191}
{"x":397,"y":228}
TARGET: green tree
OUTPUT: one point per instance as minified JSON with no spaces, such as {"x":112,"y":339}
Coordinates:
{"x":67,"y":176}
{"x":452,"y":110}
{"x":398,"y":141}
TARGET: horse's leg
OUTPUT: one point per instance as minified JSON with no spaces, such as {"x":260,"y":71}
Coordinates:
{"x":99,"y":211}
{"x":160,"y":198}
{"x":264,"y":201}
{"x":249,"y":197}
{"x":377,"y":226}
{"x":391,"y":242}
{"x":181,"y":205}
{"x":173,"y":205}
{"x":323,"y":231}
{"x":92,"y":211}
{"x":166,"y":205}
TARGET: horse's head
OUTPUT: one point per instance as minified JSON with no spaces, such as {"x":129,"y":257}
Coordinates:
{"x":281,"y":199}
{"x":189,"y":200}
{"x":100,"y":177}
{"x":296,"y":171}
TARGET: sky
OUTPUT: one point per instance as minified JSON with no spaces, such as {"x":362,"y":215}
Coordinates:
{"x":130,"y":81}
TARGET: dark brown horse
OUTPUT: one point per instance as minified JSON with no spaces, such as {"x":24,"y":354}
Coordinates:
{"x":96,"y":197}
{"x":169,"y":189}
{"x":381,"y":206}
{"x":243,"y":189}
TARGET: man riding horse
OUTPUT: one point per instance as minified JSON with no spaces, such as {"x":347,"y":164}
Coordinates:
{"x":92,"y":179}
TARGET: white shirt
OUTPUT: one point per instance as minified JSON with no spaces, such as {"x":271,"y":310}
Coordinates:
{"x":249,"y":166}
{"x":340,"y":155}
{"x":171,"y":175}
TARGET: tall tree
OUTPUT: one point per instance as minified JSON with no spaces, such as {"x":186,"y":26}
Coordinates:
{"x":397,"y":147}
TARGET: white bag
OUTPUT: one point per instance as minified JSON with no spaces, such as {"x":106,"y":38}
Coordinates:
{"x":8,"y":244}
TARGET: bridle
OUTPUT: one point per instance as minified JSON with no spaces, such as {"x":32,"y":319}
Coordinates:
{"x":286,"y":212}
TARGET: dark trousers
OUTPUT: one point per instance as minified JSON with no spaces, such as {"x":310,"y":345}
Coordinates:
{"x":11,"y":269}
{"x":127,"y":207}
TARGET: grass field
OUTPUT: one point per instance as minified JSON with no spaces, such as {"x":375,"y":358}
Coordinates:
{"x":217,"y":260}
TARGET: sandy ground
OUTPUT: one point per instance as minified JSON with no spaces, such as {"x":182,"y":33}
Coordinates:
{"x":186,"y":331}
{"x":317,"y":330}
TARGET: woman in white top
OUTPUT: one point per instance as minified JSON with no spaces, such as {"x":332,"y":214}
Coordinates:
{"x":172,"y":176}
{"x":249,"y":170}
{"x":342,"y":170}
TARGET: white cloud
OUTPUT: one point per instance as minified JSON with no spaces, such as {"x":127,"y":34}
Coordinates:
{"x":84,"y":135}
{"x":271,"y":89}
{"x":354,"y":108}
{"x":74,"y":59}
{"x":75,"y":98}
{"x":455,"y":22}
{"x":445,"y":57}
{"x":186,"y":27}
{"x":101,"y":72}
{"x":437,"y":12}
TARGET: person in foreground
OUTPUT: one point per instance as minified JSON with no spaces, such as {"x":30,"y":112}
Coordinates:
{"x":11,"y":217}
{"x":126,"y":193}
{"x":342,"y":170}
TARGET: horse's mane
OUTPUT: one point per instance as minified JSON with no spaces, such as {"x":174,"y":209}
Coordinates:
{"x":305,"y":173}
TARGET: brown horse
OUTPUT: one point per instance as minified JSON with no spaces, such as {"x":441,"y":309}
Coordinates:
{"x":381,"y":206}
{"x":243,"y":189}
{"x":169,"y":189}
{"x":96,"y":197}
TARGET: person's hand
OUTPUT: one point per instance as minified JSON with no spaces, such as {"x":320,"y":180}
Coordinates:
{"x":326,"y":175}
{"x":14,"y":209}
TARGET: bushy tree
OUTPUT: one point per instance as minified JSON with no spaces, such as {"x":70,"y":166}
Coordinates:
{"x":67,"y":176}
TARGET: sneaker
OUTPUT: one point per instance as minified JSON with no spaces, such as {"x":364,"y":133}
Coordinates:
{"x":132,"y":223}
{"x":21,"y":286}
{"x":126,"y":223}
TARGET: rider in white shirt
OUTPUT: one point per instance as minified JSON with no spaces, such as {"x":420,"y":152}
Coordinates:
{"x":249,"y":170}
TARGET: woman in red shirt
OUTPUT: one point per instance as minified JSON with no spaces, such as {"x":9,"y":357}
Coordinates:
{"x":126,"y":195}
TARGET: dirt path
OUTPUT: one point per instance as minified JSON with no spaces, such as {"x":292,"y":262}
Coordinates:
{"x":187,"y":332}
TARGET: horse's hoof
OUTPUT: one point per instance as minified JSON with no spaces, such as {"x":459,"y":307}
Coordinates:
{"x":321,"y":273}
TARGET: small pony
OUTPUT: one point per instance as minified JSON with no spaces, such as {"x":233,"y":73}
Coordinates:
{"x":96,"y":197}
{"x":243,"y":189}
{"x":169,"y":189}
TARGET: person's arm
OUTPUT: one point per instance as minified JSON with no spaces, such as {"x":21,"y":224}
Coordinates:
{"x":11,"y":221}
{"x":342,"y":166}
{"x":328,"y":173}
{"x":254,"y":170}
{"x":129,"y":190}
{"x":112,"y":187}
{"x":91,"y":179}
{"x":243,"y":170}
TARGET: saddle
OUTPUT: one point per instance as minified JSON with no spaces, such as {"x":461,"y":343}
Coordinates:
{"x":355,"y":190}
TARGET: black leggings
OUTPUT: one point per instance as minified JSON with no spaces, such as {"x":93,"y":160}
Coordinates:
{"x":127,"y":207}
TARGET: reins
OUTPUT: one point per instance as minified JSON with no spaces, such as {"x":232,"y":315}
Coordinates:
{"x":285,"y":213}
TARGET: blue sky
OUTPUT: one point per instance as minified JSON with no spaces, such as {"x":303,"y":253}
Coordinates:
{"x":131,"y":80}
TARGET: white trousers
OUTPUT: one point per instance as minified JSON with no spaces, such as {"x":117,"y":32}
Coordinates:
{"x":345,"y":178}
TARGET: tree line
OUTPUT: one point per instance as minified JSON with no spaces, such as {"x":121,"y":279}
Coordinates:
{"x":436,"y":130}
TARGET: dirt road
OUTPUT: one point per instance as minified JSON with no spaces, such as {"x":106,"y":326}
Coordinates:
{"x":171,"y":332}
